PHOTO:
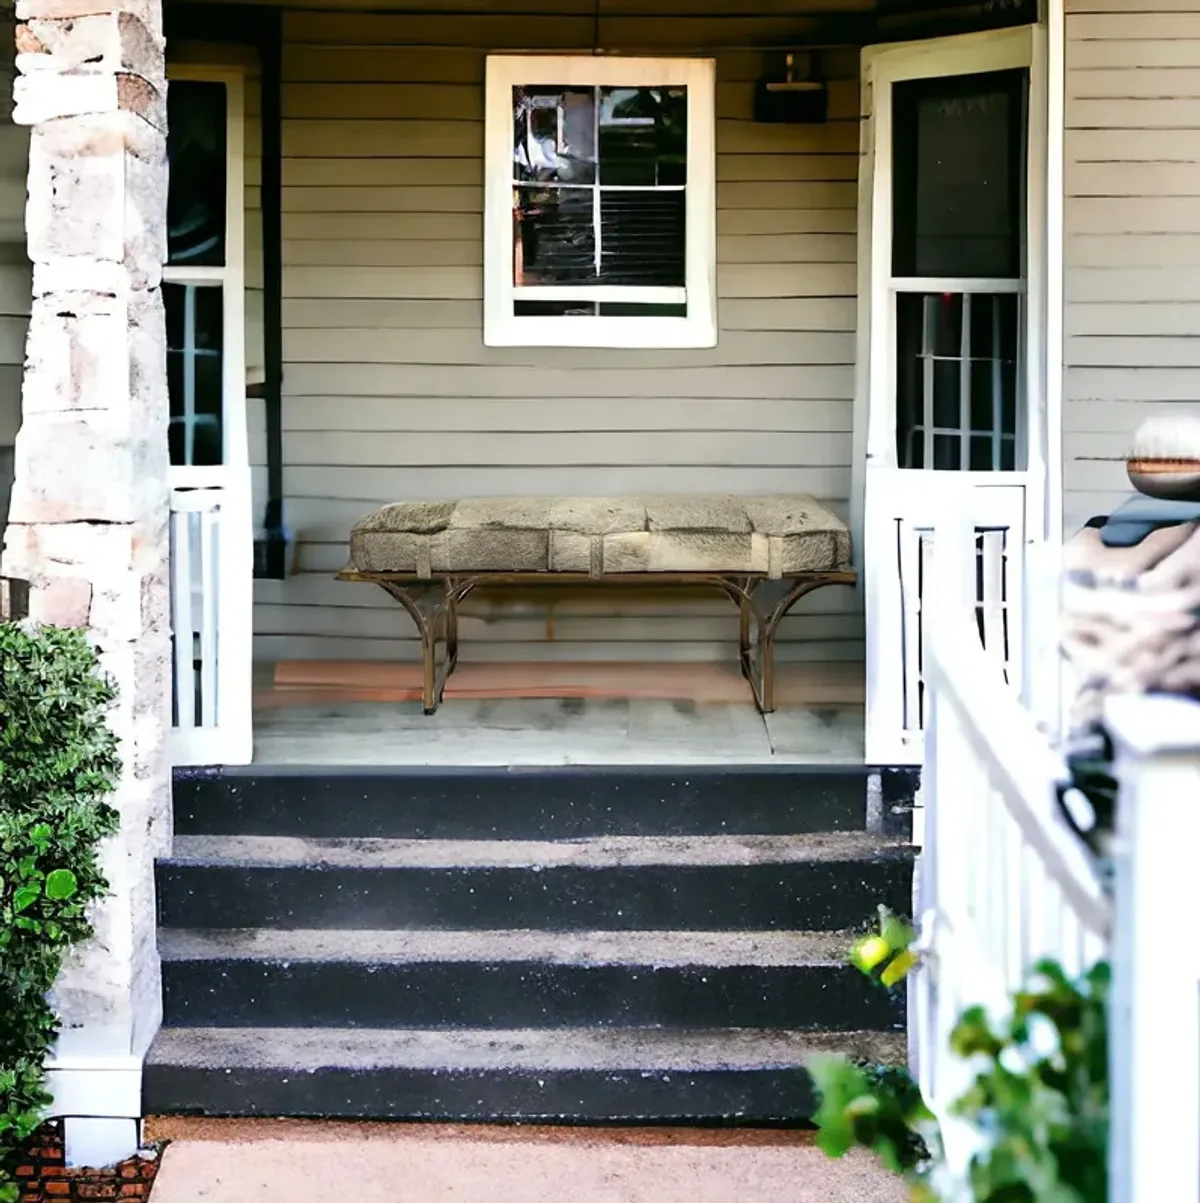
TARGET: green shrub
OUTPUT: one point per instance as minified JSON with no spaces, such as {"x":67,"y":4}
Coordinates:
{"x":58,"y":763}
{"x":1039,"y":1096}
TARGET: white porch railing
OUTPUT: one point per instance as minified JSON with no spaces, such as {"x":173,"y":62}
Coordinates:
{"x":1155,"y":1024}
{"x":210,"y":624}
{"x":1003,"y":881}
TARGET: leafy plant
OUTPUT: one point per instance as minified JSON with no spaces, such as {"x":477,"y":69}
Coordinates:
{"x":1039,"y":1098}
{"x":886,"y":955}
{"x":1041,"y":1094}
{"x":58,"y":764}
{"x":877,"y":1107}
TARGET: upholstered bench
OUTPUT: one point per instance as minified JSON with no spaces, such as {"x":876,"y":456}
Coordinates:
{"x":429,"y":555}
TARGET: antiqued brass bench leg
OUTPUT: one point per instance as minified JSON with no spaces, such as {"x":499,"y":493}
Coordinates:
{"x":438,"y":623}
{"x":763,"y":681}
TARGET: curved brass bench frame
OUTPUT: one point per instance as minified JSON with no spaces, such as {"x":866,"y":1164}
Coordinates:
{"x":432,"y":603}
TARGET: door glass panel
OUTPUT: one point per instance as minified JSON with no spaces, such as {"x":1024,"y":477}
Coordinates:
{"x":959,"y":176}
{"x":956,"y":381}
{"x":196,"y":153}
{"x":195,"y":326}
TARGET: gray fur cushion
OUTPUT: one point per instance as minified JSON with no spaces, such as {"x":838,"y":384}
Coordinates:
{"x":773,"y":536}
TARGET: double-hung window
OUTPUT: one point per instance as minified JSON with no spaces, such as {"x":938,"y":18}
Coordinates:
{"x":203,"y":276}
{"x":600,"y":203}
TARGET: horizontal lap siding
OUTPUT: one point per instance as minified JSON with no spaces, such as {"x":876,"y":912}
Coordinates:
{"x":389,"y":392}
{"x":1132,"y":224}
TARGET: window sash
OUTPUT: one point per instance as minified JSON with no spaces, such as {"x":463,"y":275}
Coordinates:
{"x":502,"y":326}
{"x":229,"y":276}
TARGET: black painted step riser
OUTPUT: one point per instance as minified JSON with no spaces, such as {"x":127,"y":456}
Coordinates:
{"x":506,"y":1096}
{"x":796,"y":896}
{"x":530,"y":803}
{"x":447,"y":994}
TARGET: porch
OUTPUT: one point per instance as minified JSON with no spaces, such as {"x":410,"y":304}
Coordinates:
{"x":362,"y":361}
{"x":531,"y":713}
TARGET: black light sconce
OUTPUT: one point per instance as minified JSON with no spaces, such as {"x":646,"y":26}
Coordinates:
{"x":793,"y":100}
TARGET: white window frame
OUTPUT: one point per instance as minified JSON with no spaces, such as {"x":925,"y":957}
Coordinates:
{"x":230,"y":277}
{"x":502,"y":327}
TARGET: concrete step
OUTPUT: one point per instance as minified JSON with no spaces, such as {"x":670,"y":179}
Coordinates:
{"x":711,"y":883}
{"x":554,"y":802}
{"x":516,"y":979}
{"x":593,"y":1075}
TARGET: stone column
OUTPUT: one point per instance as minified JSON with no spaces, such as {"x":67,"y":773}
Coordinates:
{"x":88,"y":516}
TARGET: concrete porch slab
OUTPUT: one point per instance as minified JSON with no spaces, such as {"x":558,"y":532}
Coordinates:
{"x":550,"y":731}
{"x":214,"y":1161}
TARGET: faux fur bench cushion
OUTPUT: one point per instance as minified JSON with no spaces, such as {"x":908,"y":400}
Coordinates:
{"x":772,"y":536}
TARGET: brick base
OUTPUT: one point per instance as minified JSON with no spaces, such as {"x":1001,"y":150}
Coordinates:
{"x":44,"y":1177}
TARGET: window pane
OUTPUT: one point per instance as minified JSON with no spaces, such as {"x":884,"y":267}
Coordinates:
{"x":195,"y":327}
{"x":599,"y":180}
{"x":554,"y":134}
{"x":643,"y":136}
{"x":958,"y":171}
{"x":593,"y":309}
{"x":936,"y":365}
{"x":555,"y":240}
{"x":643,"y":238}
{"x":196,"y":154}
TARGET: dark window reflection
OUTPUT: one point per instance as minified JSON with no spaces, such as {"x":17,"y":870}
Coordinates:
{"x":194,"y":371}
{"x":555,"y":237}
{"x":594,"y":309}
{"x":959,"y":176}
{"x":643,"y":238}
{"x":599,"y":179}
{"x":643,"y":136}
{"x":956,"y":381}
{"x":196,"y":153}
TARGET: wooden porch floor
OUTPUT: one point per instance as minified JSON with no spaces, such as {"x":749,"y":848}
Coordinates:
{"x":310,"y":713}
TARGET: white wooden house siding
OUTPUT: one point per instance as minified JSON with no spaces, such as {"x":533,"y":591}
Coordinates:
{"x":1132,"y":233}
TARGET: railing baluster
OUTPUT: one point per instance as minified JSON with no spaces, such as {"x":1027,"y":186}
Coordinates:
{"x":210,"y":533}
{"x":181,"y":619}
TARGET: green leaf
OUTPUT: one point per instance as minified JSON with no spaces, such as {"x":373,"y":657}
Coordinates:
{"x":61,"y":884}
{"x":24,"y":897}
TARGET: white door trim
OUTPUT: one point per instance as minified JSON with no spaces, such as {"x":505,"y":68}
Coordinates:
{"x":214,"y":502}
{"x":874,"y":401}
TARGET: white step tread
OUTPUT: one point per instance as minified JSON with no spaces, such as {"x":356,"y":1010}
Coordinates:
{"x":651,"y":1050}
{"x":653,"y":949}
{"x":601,"y":852}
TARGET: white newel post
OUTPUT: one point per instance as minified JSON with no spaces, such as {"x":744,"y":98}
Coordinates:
{"x":88,"y":520}
{"x":1155,"y":1028}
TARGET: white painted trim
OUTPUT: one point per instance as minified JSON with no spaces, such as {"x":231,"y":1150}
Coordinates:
{"x":95,"y":1087}
{"x":99,"y":1100}
{"x":194,"y":275}
{"x":874,"y":441}
{"x":602,"y":292}
{"x":1047,"y":686}
{"x":231,"y":741}
{"x":501,"y":327}
{"x":969,"y":284}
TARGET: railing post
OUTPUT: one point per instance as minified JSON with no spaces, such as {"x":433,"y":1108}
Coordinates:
{"x":1154,"y":1078}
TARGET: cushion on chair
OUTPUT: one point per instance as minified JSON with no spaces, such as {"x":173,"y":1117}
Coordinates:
{"x":772,"y":536}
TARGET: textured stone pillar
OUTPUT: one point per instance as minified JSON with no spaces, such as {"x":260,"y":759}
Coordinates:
{"x":88,"y":516}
